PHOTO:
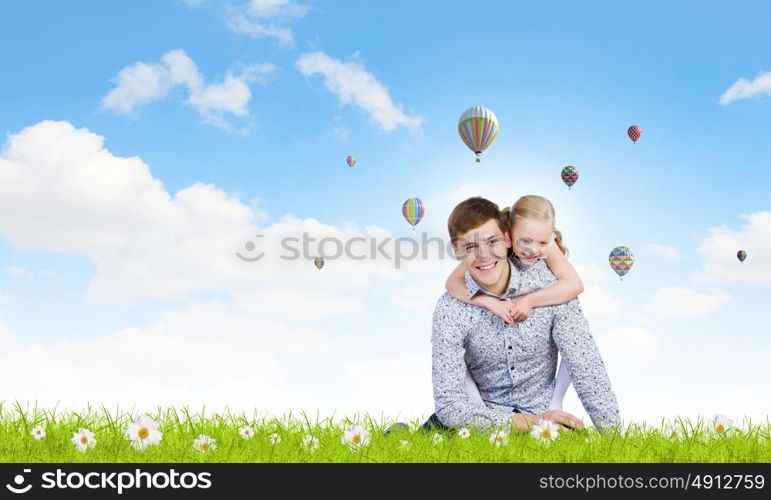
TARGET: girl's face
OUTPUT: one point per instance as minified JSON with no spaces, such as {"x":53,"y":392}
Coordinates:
{"x":530,"y":238}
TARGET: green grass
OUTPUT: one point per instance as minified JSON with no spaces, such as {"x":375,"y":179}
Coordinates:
{"x":745,"y":443}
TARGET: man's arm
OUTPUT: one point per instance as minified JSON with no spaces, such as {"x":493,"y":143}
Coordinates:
{"x":590,"y":379}
{"x":452,"y":405}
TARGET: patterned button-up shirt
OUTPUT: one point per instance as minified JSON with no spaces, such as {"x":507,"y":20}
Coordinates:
{"x":514,"y":365}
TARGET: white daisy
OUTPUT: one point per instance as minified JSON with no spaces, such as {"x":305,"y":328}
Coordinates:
{"x":143,"y":432}
{"x":311,"y":443}
{"x":720,"y":424}
{"x":38,"y":432}
{"x":274,"y":438}
{"x":246,"y":432}
{"x":499,"y":438}
{"x":672,"y":432}
{"x":437,"y":438}
{"x":545,"y":431}
{"x":464,"y":433}
{"x":355,"y":437}
{"x":83,"y":439}
{"x":204,"y":443}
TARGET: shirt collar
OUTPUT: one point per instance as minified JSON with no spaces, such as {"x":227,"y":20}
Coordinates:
{"x":515,"y":275}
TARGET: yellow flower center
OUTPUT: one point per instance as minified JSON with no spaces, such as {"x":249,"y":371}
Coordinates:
{"x":545,"y":433}
{"x":356,"y":438}
{"x":204,"y":446}
{"x":720,"y":428}
{"x":38,"y":432}
{"x":84,"y":439}
{"x":143,"y":433}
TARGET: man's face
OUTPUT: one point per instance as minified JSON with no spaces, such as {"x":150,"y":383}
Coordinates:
{"x":483,"y":251}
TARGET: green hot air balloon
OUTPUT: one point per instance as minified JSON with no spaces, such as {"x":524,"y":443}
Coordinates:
{"x":621,"y":260}
{"x":318,"y":262}
{"x":741,"y":255}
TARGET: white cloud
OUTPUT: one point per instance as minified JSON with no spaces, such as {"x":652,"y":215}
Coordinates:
{"x":681,"y":302}
{"x":719,"y":250}
{"x":276,"y":8}
{"x":399,"y":385}
{"x":265,"y":19}
{"x":142,"y":83}
{"x":597,"y":303}
{"x":21,"y":272}
{"x":205,"y":354}
{"x":419,"y":296}
{"x":250,"y":348}
{"x":353,"y":84}
{"x":7,"y":339}
{"x":668,"y":252}
{"x":338,"y":130}
{"x":628,"y":345}
{"x":147,"y":242}
{"x":743,"y":88}
{"x":295,"y":304}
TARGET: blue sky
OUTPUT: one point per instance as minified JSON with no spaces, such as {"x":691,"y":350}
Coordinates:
{"x":565,"y":82}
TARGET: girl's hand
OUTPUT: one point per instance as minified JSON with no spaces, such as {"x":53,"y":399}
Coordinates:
{"x":521,"y":308}
{"x":501,"y":308}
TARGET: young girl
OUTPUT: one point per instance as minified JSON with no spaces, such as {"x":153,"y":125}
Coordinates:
{"x":533,"y":235}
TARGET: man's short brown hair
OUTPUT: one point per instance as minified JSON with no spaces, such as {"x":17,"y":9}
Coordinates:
{"x":473,"y":213}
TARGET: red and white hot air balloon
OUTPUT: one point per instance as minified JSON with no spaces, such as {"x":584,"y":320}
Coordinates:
{"x":634,"y":132}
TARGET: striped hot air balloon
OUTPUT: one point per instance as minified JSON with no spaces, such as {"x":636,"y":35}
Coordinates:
{"x":413,"y":211}
{"x":351,"y":160}
{"x":741,"y":255}
{"x":319,"y":262}
{"x":634,"y":132}
{"x":569,"y":175}
{"x":621,"y":260}
{"x":478,"y":127}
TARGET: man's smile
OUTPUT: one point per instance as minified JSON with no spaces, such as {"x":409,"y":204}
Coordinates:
{"x":487,"y":267}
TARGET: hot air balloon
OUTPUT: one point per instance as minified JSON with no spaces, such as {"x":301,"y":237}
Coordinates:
{"x":741,"y":255}
{"x":634,"y":132}
{"x":621,"y":260}
{"x":351,"y":160}
{"x":478,"y":127}
{"x":413,"y":211}
{"x":569,"y":175}
{"x":318,"y":262}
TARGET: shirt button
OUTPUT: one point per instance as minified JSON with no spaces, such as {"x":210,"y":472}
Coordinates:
{"x":510,"y":348}
{"x":512,"y":368}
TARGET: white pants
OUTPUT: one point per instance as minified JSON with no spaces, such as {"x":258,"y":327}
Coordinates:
{"x":560,"y":387}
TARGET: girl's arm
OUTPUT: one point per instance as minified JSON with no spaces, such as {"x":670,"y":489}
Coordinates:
{"x":456,"y":286}
{"x":567,"y":286}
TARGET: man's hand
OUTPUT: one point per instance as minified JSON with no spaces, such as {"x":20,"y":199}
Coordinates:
{"x":563,"y":419}
{"x":525,"y":421}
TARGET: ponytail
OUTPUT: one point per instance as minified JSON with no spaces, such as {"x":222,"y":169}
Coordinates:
{"x":558,"y":241}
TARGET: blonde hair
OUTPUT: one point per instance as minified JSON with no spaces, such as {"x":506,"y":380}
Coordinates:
{"x":537,"y":208}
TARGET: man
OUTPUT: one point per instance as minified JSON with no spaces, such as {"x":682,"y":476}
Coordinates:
{"x":513,"y":365}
